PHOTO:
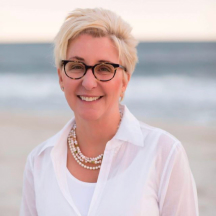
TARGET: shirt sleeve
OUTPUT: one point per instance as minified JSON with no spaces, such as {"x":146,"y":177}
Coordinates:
{"x":28,"y":205}
{"x":177,"y":193}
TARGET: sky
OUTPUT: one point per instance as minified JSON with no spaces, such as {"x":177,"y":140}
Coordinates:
{"x":152,"y":20}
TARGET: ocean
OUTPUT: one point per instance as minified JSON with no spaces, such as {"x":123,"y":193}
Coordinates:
{"x":172,"y":81}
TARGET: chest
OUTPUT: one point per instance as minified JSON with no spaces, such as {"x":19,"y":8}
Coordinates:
{"x":122,"y":188}
{"x":118,"y":197}
{"x":79,"y":172}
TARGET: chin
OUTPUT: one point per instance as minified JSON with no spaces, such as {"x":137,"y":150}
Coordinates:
{"x":90,"y":115}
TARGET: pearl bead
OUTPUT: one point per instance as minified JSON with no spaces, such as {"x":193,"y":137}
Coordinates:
{"x":77,"y":154}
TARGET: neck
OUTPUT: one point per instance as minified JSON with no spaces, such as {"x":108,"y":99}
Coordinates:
{"x":92,"y":136}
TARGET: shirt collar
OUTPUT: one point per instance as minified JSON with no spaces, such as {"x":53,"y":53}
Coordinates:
{"x":59,"y":137}
{"x":129,"y":131}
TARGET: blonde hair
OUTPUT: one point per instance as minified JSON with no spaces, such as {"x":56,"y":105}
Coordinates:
{"x":97,"y":22}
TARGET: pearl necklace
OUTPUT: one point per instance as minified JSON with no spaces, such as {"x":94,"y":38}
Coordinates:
{"x":81,"y":159}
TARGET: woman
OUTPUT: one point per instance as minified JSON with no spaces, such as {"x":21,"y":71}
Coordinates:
{"x":104,"y":161}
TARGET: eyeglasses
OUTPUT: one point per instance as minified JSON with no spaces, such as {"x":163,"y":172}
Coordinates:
{"x":102,"y":72}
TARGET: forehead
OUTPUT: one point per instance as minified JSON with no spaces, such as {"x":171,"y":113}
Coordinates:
{"x":92,"y":49}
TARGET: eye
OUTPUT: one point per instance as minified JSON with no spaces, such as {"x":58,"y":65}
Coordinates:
{"x":76,"y":67}
{"x":73,"y":66}
{"x":105,"y":68}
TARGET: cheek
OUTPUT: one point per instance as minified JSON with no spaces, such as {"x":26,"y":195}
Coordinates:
{"x":69,"y":84}
{"x":70,"y":87}
{"x":116,"y":88}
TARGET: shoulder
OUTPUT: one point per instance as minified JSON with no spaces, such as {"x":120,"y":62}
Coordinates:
{"x":165,"y":150}
{"x":143,"y":135}
{"x":155,"y":131}
{"x":160,"y":140}
{"x":45,"y":147}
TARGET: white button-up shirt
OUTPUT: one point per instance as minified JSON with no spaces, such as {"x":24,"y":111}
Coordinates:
{"x":145,"y":172}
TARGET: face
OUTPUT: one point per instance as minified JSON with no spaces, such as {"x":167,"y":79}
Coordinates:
{"x":79,"y":93}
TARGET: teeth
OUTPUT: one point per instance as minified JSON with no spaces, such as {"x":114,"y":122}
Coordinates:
{"x":89,"y":98}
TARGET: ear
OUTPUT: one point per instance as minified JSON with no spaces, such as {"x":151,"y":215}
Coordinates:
{"x":60,"y":77}
{"x":126,"y":79}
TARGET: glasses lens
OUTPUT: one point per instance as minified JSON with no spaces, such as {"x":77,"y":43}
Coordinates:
{"x":74,"y":69}
{"x":104,"y":71}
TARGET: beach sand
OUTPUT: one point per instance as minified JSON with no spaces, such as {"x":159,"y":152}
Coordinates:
{"x":21,"y":132}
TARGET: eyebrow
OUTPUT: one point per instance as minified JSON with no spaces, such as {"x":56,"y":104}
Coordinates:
{"x":82,"y":59}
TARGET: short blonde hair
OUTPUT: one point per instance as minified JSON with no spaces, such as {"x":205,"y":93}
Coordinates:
{"x":97,"y":22}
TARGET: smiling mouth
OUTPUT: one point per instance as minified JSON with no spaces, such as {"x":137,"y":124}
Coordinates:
{"x":83,"y":98}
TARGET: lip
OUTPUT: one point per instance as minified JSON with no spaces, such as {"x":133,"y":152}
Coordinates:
{"x":89,"y":95}
{"x":93,"y":101}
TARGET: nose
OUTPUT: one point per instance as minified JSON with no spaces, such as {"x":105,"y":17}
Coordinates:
{"x":89,"y":81}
